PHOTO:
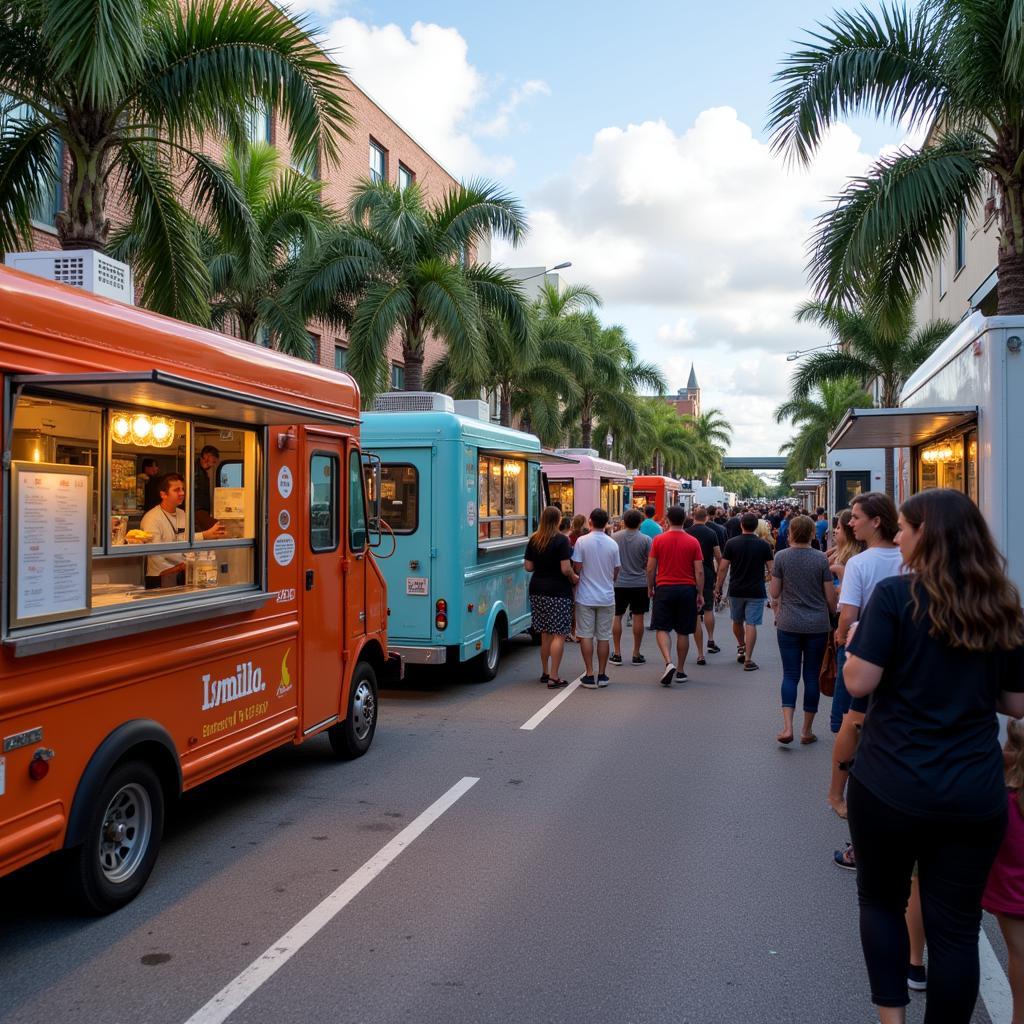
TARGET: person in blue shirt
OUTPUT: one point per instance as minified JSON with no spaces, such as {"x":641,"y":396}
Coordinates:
{"x":649,"y":526}
{"x":821,"y":528}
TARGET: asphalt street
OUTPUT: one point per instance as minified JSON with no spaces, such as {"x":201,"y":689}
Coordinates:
{"x":643,"y":855}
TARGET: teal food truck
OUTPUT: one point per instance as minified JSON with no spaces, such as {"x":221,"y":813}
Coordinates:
{"x":460,"y":495}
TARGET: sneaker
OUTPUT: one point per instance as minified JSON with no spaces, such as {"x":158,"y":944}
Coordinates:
{"x":845,"y":858}
{"x":639,"y":659}
{"x":616,"y":659}
{"x":602,"y":680}
{"x":713,"y":648}
{"x":917,"y":978}
{"x":666,"y":676}
{"x":681,"y":677}
{"x":701,"y":661}
{"x":588,"y":682}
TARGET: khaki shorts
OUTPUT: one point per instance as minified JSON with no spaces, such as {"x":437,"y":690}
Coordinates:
{"x":594,"y":622}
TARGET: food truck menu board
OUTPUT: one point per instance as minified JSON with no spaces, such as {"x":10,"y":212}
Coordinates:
{"x":51,"y":557}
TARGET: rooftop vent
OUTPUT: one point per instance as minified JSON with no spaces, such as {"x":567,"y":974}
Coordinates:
{"x":413,"y":401}
{"x":83,"y":268}
{"x":577,"y":451}
{"x":473,"y":409}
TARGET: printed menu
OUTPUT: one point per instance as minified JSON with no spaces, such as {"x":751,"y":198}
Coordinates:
{"x":52,"y":562}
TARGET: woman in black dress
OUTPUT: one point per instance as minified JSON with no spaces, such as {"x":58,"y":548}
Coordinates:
{"x":939,"y":649}
{"x":548,"y":558}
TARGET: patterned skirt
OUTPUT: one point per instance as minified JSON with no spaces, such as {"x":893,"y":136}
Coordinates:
{"x":551,"y":614}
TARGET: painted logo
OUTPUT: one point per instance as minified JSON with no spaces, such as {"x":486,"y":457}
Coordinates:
{"x":244,"y":683}
{"x":286,"y":679}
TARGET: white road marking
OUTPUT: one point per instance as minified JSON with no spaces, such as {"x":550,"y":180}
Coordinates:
{"x":229,"y":998}
{"x":532,"y":723}
{"x":995,"y":989}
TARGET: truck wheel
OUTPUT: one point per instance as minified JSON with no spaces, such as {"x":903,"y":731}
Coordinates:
{"x":352,"y":738}
{"x":484,"y":667}
{"x":122,"y":841}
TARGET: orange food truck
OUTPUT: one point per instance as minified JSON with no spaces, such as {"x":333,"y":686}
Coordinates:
{"x":659,"y":491}
{"x":146,"y":648}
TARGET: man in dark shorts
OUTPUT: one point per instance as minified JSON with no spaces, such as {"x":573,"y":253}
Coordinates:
{"x":748,"y":560}
{"x":707,"y":538}
{"x":631,"y":584}
{"x":675,"y":580}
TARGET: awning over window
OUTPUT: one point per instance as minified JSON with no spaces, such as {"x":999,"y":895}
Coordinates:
{"x":166,"y":392}
{"x":508,"y":453}
{"x":899,"y":428}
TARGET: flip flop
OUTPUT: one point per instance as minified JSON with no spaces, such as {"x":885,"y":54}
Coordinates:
{"x":784,"y":739}
{"x":750,"y":666}
{"x":808,"y":739}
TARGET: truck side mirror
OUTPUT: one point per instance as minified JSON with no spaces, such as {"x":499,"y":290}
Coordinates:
{"x":371,"y":478}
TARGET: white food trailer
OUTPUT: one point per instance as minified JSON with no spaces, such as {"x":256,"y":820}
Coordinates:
{"x":960,"y":424}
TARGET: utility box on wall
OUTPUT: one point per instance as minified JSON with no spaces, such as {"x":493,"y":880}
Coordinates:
{"x":82,"y":268}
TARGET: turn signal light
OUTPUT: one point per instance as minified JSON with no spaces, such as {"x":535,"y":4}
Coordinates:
{"x":441,"y":622}
{"x":441,"y":605}
{"x":38,"y":769}
{"x":440,"y":614}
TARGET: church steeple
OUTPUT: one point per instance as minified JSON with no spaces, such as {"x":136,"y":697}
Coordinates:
{"x":691,"y":384}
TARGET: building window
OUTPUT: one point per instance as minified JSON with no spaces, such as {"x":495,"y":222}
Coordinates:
{"x":310,"y":166}
{"x":50,"y":199}
{"x":942,"y":274}
{"x":340,"y":357}
{"x":405,"y":177}
{"x":258,"y":123}
{"x":313,"y":353}
{"x":378,"y":162}
{"x":961,"y":243}
{"x":263,"y":337}
{"x":501,"y":498}
{"x":397,"y":377}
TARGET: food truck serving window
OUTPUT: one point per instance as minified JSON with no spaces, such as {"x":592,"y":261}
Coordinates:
{"x":612,"y":496}
{"x":152,"y":518}
{"x":501,"y":497}
{"x":400,"y":496}
{"x":561,"y":493}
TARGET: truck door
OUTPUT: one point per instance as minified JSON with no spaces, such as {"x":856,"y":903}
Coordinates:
{"x":354,"y":565}
{"x":323,"y":607}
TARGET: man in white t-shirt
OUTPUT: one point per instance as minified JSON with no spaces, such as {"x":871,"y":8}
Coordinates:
{"x":597,"y":561}
{"x":874,"y":521}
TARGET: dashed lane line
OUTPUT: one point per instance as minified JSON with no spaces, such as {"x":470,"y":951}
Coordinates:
{"x":533,"y":722}
{"x":237,"y":991}
{"x":995,"y":989}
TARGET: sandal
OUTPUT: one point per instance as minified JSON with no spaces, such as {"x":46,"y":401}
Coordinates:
{"x":557,"y":684}
{"x":808,"y":739}
{"x":783,"y":738}
{"x":701,"y":661}
{"x":750,"y":666}
{"x":544,"y":677}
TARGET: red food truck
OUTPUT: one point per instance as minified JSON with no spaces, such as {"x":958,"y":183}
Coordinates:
{"x":659,"y":491}
{"x":154,"y":635}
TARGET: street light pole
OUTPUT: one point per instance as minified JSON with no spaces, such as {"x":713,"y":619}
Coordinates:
{"x":547,"y":270}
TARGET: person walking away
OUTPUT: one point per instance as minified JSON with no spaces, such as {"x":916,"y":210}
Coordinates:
{"x":675,"y":580}
{"x":631,"y":584}
{"x":1004,"y":891}
{"x":732,"y":525}
{"x":708,"y":541}
{"x":782,"y":537}
{"x":578,"y":528}
{"x":746,"y":559}
{"x":804,"y":599}
{"x":873,"y":521}
{"x":938,"y":649}
{"x":821,"y":528}
{"x":549,"y":560}
{"x":649,"y":526}
{"x":595,"y":559}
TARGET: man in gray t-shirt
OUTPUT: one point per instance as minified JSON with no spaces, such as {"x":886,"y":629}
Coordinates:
{"x":631,"y":586}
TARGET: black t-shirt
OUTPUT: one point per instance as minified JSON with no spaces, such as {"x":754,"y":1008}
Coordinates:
{"x":708,"y":540}
{"x":747,"y":556}
{"x":547,"y":579}
{"x":930,"y":742}
{"x":720,"y":530}
{"x":733,"y":528}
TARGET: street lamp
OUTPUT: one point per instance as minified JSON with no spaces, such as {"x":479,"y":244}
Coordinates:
{"x":609,"y":441}
{"x":547,"y":270}
{"x":793,"y":356}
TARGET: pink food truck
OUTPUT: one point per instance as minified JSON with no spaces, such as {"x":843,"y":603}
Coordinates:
{"x":590,"y":483}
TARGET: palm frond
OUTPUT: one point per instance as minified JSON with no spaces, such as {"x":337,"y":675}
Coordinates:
{"x":471,"y":211}
{"x":28,"y":159}
{"x":380,"y":312}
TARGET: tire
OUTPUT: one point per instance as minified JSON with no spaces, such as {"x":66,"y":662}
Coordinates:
{"x":122,"y":841}
{"x":484,"y":667}
{"x":352,"y":738}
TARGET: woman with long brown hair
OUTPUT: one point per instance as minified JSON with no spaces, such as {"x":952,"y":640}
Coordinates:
{"x":548,"y":558}
{"x":939,"y":649}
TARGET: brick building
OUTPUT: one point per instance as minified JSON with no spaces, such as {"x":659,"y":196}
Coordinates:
{"x":377,"y":147}
{"x":686,"y":401}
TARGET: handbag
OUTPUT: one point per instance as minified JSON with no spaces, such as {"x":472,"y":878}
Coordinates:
{"x":827,"y":675}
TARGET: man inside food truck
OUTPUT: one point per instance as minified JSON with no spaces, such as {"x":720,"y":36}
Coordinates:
{"x":206,"y":464}
{"x":167,"y":524}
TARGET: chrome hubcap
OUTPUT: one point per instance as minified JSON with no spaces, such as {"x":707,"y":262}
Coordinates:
{"x":494,"y":651}
{"x":125,"y":833}
{"x":364,"y":707}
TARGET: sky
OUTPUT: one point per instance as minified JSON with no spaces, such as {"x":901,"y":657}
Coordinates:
{"x":634,"y":137}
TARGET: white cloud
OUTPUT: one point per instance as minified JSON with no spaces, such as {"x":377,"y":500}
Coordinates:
{"x":425,"y":80}
{"x":700,"y":239}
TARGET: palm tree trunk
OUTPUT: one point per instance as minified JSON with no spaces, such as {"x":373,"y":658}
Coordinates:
{"x":84,"y":224}
{"x":890,"y":473}
{"x":505,"y":393}
{"x":1011,"y":251}
{"x":413,"y":369}
{"x":587,"y":429}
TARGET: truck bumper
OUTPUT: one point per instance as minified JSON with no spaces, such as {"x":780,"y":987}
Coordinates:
{"x":421,"y":655}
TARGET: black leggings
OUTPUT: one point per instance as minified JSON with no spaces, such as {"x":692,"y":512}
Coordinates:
{"x":953,"y":858}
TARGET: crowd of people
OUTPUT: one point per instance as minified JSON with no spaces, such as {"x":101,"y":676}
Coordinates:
{"x":914,"y":611}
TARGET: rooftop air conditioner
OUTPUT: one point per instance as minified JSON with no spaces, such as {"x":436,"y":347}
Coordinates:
{"x":473,"y":409}
{"x":83,"y":268}
{"x":577,"y":451}
{"x":413,"y":401}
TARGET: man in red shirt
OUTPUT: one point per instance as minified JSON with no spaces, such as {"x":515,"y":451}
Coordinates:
{"x":675,"y":579}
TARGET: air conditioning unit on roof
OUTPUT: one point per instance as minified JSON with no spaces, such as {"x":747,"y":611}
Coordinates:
{"x":577,"y":451}
{"x":473,"y":408}
{"x":83,"y":268}
{"x":413,"y":401}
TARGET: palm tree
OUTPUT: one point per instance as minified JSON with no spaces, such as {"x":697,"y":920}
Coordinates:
{"x":816,"y":414}
{"x":406,"y":267}
{"x":715,"y":435}
{"x":665,"y":442}
{"x":130,"y":90}
{"x":870,"y":347}
{"x":957,"y":64}
{"x":611,"y":375}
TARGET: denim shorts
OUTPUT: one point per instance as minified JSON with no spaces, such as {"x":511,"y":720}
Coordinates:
{"x":747,"y":609}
